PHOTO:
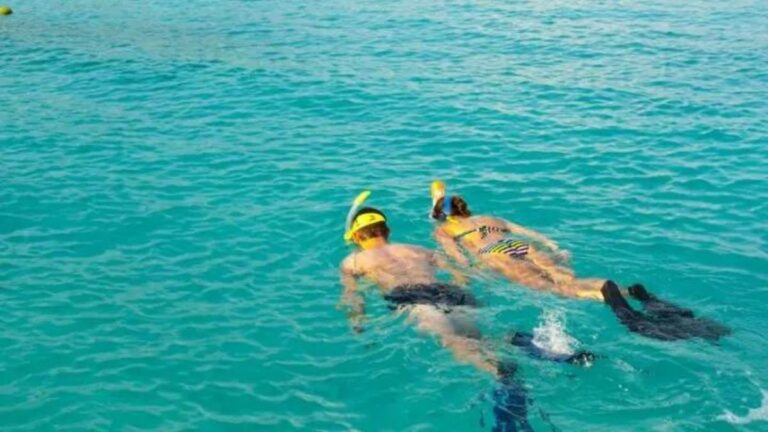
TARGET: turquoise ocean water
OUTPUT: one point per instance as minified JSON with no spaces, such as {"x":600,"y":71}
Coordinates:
{"x":174,"y":178}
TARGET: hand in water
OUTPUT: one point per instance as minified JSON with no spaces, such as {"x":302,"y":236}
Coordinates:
{"x":356,"y":323}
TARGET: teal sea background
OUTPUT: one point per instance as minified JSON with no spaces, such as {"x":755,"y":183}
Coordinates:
{"x":174,"y":178}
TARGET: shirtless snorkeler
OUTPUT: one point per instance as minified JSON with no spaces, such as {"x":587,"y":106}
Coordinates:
{"x":406,"y":277}
{"x":505,"y":248}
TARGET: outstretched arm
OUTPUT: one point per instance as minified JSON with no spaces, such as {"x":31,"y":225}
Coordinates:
{"x":351,"y":300}
{"x":450,"y":247}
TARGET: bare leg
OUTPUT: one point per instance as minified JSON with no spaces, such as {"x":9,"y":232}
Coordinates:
{"x":553,"y":278}
{"x":522,"y":271}
{"x":559,"y":273}
{"x":457,"y":333}
{"x":587,"y":288}
{"x":468,"y":350}
{"x":566,"y":278}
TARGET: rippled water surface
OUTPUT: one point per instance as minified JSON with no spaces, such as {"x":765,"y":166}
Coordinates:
{"x":174,"y":178}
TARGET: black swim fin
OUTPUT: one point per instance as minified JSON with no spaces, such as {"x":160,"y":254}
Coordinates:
{"x":633,"y":320}
{"x":656,"y":307}
{"x":664,"y":320}
{"x":624,"y":312}
{"x":685,"y":319}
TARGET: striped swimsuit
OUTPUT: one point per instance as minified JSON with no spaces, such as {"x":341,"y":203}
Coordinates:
{"x":510,"y":247}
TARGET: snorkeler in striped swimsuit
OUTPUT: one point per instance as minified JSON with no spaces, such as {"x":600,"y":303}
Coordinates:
{"x":504,"y":247}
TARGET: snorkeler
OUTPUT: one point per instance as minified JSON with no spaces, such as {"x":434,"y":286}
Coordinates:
{"x":406,"y":276}
{"x":531,"y":259}
{"x":502,"y":246}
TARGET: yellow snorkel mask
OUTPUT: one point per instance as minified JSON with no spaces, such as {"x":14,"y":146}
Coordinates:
{"x":356,"y":223}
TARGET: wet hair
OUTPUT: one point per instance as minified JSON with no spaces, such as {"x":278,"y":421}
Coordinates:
{"x":379,"y":229}
{"x":459,"y":208}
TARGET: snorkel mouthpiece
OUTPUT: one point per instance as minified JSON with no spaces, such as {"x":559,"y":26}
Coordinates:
{"x":353,"y":225}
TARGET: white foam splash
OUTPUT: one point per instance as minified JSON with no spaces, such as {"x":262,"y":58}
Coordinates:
{"x":754,"y":414}
{"x":550,"y":334}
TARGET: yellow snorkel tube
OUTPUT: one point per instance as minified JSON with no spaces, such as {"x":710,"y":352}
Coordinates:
{"x":353,"y":225}
{"x":437,"y":190}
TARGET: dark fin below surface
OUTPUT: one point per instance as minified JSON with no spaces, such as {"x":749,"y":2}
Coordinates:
{"x":656,"y":307}
{"x":633,"y":320}
{"x":662,"y":320}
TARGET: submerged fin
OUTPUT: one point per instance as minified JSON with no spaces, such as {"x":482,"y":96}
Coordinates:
{"x":656,"y":307}
{"x":613,"y":298}
{"x":510,"y":401}
{"x":633,"y":320}
{"x":662,"y":320}
{"x":524,"y":341}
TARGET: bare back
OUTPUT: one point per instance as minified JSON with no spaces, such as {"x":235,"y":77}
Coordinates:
{"x":393,"y":265}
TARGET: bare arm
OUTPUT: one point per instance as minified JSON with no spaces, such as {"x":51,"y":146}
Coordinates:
{"x":450,"y":247}
{"x":351,"y":300}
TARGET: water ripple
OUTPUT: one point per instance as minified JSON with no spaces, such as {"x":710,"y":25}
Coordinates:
{"x":175,"y":179}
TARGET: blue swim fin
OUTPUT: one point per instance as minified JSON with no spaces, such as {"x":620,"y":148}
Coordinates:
{"x":524,"y":341}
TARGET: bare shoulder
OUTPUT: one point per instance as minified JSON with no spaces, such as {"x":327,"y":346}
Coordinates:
{"x":347,"y":260}
{"x":405,"y":246}
{"x":412,"y":250}
{"x":443,"y":230}
{"x":490,"y":220}
{"x":351,"y":263}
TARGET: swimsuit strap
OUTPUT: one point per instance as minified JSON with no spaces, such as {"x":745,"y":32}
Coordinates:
{"x":464,"y":234}
{"x":484,"y":230}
